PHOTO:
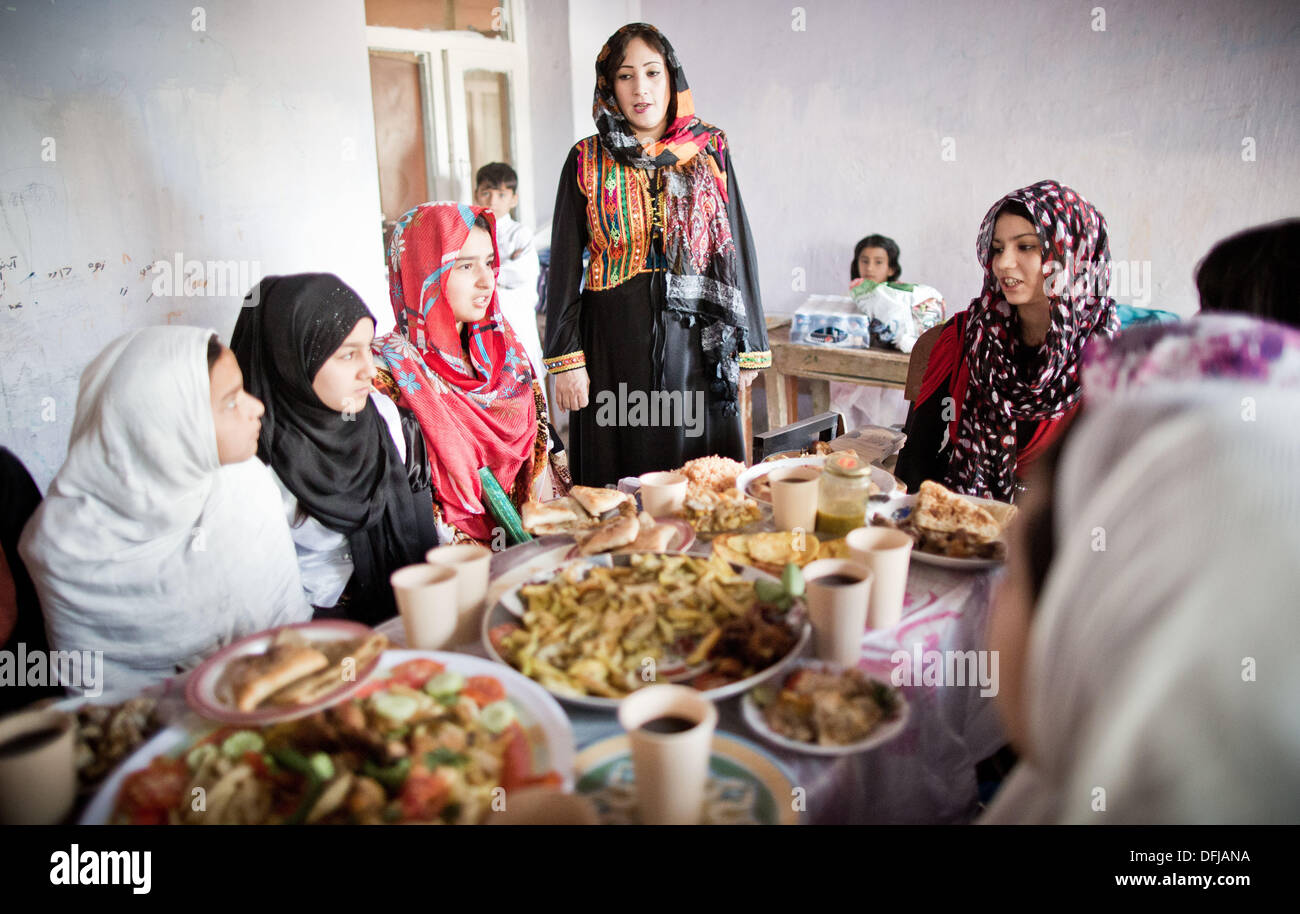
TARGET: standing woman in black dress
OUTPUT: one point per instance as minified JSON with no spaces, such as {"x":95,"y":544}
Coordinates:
{"x":651,"y":347}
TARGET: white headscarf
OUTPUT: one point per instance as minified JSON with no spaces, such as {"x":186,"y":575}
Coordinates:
{"x":146,"y":547}
{"x":1162,"y":672}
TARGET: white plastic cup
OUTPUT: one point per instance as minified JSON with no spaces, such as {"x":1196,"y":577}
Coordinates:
{"x":888,"y":553}
{"x":472,"y":564}
{"x":838,"y":612}
{"x":672,"y":769}
{"x":426,"y":600}
{"x":663,"y":494}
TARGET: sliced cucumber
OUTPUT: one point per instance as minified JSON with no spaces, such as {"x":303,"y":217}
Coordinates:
{"x":448,"y":683}
{"x":237,"y":744}
{"x":497,"y":716}
{"x":396,"y":708}
{"x":201,"y":755}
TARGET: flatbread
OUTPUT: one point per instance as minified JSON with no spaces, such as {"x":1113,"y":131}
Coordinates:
{"x":597,"y":501}
{"x":653,"y":539}
{"x":943,"y":511}
{"x":621,"y":531}
{"x":310,"y":688}
{"x":560,"y":511}
{"x":253,"y":679}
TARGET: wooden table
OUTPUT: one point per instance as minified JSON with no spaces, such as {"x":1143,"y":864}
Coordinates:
{"x":821,"y":365}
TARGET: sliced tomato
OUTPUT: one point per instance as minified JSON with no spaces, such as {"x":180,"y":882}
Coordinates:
{"x":706,"y":681}
{"x":255,"y":761}
{"x":415,"y":673}
{"x":484,"y":690}
{"x":424,"y":795}
{"x":550,"y":779}
{"x":371,"y":687}
{"x":517,"y":762}
{"x":149,"y":794}
{"x":498,"y":634}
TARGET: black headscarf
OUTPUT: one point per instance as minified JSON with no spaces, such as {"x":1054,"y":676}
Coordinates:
{"x":344,"y":471}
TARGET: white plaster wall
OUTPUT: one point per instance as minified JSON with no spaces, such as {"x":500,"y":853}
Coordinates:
{"x":249,"y":141}
{"x":838,"y":129}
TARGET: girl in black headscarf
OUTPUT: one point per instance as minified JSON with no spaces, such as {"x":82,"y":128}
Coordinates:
{"x":359,"y":511}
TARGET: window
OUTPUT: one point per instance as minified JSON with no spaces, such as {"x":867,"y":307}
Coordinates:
{"x":449,"y":81}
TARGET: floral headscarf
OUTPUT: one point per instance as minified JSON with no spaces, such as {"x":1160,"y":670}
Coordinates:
{"x":473,"y":414}
{"x":1076,"y":255}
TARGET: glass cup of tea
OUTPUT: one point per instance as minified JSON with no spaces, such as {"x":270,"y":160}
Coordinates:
{"x":670,"y":731}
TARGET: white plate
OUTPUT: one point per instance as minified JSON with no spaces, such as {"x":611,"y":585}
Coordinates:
{"x":883,"y":479}
{"x":510,"y":609}
{"x":884,"y":732}
{"x":545,"y":722}
{"x":896,"y":509}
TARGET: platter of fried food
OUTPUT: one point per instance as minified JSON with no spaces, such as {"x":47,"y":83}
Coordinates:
{"x":430,"y":737}
{"x":713,"y":503}
{"x":950,"y":529}
{"x":284,"y":673}
{"x":594,"y":630}
{"x":818,"y":708}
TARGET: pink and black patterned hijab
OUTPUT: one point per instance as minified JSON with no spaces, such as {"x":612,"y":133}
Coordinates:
{"x":1076,"y":267}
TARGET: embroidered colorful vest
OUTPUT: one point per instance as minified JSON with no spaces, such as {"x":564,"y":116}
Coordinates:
{"x":618,"y":217}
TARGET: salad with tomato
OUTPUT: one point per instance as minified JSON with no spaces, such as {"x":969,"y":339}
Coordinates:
{"x":421,"y":744}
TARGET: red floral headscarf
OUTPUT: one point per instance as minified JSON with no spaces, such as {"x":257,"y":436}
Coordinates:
{"x":473,"y":414}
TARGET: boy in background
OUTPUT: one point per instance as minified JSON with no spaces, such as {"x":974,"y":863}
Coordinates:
{"x":496,"y":187}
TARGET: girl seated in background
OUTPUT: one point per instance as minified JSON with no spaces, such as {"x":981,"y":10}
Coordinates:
{"x":875,"y":259}
{"x":303,"y":343}
{"x":160,"y":539}
{"x":1002,"y":380}
{"x":455,"y":363}
{"x":1132,"y":667}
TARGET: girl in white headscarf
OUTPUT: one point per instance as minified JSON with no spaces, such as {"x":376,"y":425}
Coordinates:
{"x":162,"y":536}
{"x":1156,"y":680}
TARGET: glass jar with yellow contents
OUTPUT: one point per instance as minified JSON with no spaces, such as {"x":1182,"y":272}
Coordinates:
{"x":842,"y":500}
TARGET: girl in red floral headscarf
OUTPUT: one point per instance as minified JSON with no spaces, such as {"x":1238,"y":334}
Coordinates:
{"x":1003,"y":379}
{"x":454,"y":362}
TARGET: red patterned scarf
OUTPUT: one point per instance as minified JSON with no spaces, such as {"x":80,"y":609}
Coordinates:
{"x":473,"y":414}
{"x":1074,"y":242}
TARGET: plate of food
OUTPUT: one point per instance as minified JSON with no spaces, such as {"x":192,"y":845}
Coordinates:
{"x":285,"y":672}
{"x":431,"y":737}
{"x":713,"y":504}
{"x":746,"y":785}
{"x":951,"y":530}
{"x":592,"y":631}
{"x":819,"y":708}
{"x":584,"y":509}
{"x":662,"y":534}
{"x":755,"y":484}
{"x":769,"y":552}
